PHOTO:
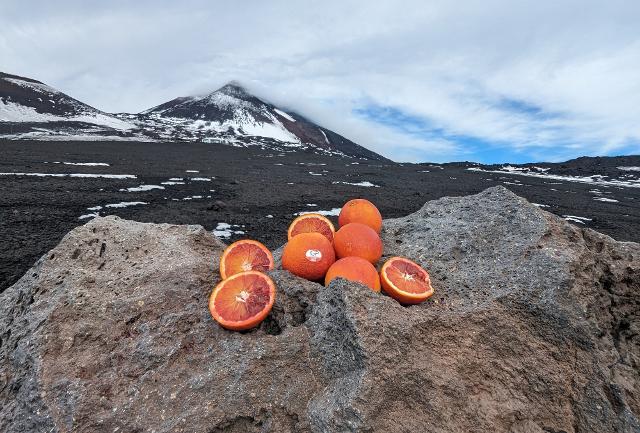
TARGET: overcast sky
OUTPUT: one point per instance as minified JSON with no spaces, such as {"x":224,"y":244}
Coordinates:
{"x":418,"y":80}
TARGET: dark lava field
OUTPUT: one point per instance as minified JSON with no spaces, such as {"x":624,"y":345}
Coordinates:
{"x":48,"y":188}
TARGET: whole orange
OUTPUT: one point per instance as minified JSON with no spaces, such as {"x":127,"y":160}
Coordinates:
{"x":354,"y":269}
{"x":358,"y":240}
{"x":361,"y":211}
{"x":308,"y":255}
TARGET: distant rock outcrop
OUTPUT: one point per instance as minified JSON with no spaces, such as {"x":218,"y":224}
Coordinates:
{"x":534,"y":327}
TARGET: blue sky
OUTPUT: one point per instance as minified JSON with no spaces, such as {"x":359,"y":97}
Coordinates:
{"x":472,"y":148}
{"x":415,"y":80}
{"x":478,"y":149}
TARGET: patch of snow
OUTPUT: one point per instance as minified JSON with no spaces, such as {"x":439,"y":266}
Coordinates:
{"x":200,"y":179}
{"x":125,"y":204}
{"x":277,"y":132}
{"x":606,"y":200}
{"x":576,"y":219}
{"x":54,"y":135}
{"x":595,"y":179}
{"x":540,"y":205}
{"x":80,"y":175}
{"x":224,"y":230}
{"x":315,"y":174}
{"x":333,"y":212}
{"x":38,"y":87}
{"x":285,"y":115}
{"x":363,"y":183}
{"x":269,"y":216}
{"x":89,"y":164}
{"x":142,"y":188}
{"x":312,"y":205}
{"x":94,"y":208}
{"x":326,"y":140}
{"x":13,"y":112}
{"x":629,"y":168}
{"x":192,"y":171}
{"x":89,"y":215}
{"x":103,"y":120}
{"x":171,"y":182}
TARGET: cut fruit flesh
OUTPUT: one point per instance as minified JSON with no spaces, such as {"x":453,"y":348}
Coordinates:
{"x":245,"y":255}
{"x":243,"y":300}
{"x":311,"y":223}
{"x":405,"y":281}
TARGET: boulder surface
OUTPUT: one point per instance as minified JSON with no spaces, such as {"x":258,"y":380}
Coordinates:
{"x":534,"y":327}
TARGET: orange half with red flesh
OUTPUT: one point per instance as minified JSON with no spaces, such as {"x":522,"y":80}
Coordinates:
{"x":243,"y":300}
{"x":405,"y":281}
{"x":245,"y":255}
{"x":311,"y":223}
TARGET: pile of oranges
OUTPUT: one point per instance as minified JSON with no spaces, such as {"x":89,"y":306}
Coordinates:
{"x":317,"y":252}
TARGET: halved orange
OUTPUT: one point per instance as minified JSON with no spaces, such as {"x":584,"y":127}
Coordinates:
{"x":243,"y":300}
{"x":245,"y":255}
{"x":405,"y":281}
{"x":312,"y":223}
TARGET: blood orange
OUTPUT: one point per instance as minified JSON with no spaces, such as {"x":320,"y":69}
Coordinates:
{"x":358,"y":240}
{"x":308,"y":255}
{"x":360,"y":211}
{"x":243,"y":300}
{"x":405,"y":281}
{"x":354,"y":269}
{"x":312,"y":223}
{"x":245,"y":255}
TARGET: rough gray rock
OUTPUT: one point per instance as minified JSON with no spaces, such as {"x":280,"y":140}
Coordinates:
{"x":534,"y":327}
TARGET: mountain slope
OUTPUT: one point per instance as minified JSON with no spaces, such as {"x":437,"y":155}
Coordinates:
{"x":231,"y":109}
{"x":29,"y":109}
{"x":24,"y":100}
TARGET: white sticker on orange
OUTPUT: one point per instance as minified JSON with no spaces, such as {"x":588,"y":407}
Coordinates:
{"x":313,"y":255}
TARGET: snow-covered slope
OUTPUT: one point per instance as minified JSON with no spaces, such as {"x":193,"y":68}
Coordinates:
{"x":27,"y":101}
{"x":30,"y":109}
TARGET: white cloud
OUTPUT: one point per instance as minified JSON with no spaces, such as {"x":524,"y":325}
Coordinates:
{"x":452,"y":64}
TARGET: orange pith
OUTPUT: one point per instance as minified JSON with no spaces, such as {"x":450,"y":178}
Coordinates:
{"x":312,"y":223}
{"x":360,"y":211}
{"x":243,"y":300}
{"x":308,"y":255}
{"x":405,"y":281}
{"x":245,"y":255}
{"x":358,"y":240}
{"x":354,"y":269}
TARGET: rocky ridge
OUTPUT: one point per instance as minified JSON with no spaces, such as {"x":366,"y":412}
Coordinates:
{"x":534,"y":327}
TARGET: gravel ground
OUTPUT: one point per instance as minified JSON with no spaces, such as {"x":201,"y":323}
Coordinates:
{"x":233,"y":190}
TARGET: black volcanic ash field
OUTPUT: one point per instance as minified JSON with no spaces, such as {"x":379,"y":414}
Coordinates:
{"x":256,"y":192}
